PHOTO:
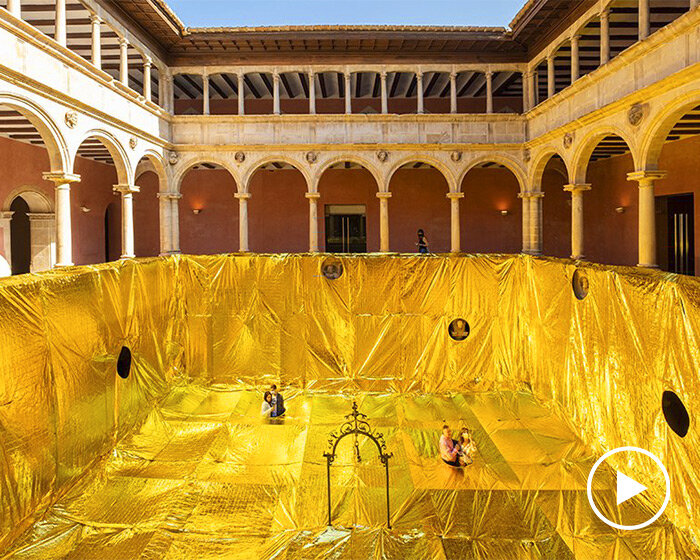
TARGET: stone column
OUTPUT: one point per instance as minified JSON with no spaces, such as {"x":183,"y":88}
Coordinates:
{"x":60,"y":34}
{"x":420,"y":106}
{"x":64,"y":237}
{"x":384,"y":221}
{"x":175,"y":222}
{"x":535,"y":220}
{"x":205,"y":94}
{"x":455,"y":239}
{"x":385,"y":97}
{"x":574,"y":59}
{"x":124,"y":61}
{"x":127,"y":195}
{"x":532,"y":90}
{"x":243,"y":221}
{"x":489,"y":91}
{"x":276,"y":93}
{"x":96,"y":41}
{"x":643,"y":20}
{"x":147,"y":66}
{"x":348,"y":93}
{"x":526,"y":93}
{"x":312,"y":93}
{"x":169,"y":101}
{"x":604,"y":36}
{"x":647,"y":215}
{"x":453,"y":92}
{"x":241,"y":94}
{"x":313,"y":220}
{"x":6,"y":224}
{"x":15,"y":7}
{"x":577,"y":191}
{"x":536,"y":88}
{"x":526,"y":221}
{"x":42,"y":227}
{"x":550,"y":76}
{"x":165,"y":221}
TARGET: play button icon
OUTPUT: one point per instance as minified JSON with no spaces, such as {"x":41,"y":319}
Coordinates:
{"x":627,"y":487}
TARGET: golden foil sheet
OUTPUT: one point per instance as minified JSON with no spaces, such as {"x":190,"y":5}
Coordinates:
{"x":175,"y":462}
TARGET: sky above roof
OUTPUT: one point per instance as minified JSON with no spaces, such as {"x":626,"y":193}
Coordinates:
{"x":235,"y":13}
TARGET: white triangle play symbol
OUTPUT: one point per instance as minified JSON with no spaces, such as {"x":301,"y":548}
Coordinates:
{"x":627,"y":488}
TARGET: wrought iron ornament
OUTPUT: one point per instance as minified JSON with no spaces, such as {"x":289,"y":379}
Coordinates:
{"x":356,"y":425}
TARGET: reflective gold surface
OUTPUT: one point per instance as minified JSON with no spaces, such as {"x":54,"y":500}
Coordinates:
{"x":175,"y":462}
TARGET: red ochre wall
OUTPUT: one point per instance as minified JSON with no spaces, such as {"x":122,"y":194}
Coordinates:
{"x":278,"y":211}
{"x":23,"y":166}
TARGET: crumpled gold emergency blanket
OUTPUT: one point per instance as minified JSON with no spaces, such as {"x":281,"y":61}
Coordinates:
{"x":175,"y":462}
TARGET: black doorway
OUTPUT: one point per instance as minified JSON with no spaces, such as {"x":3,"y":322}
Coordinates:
{"x":112,"y":246}
{"x":675,"y":237}
{"x":20,"y":237}
{"x":346,"y":230}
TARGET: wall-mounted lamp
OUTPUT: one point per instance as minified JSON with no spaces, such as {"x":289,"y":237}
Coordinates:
{"x":85,"y":209}
{"x":504,"y":212}
{"x":196,"y":211}
{"x":620,"y":209}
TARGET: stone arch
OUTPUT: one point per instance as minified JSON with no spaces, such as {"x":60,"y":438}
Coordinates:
{"x":540,"y":163}
{"x":506,"y":161}
{"x":659,"y":128}
{"x":446,"y":172}
{"x":125,"y":176}
{"x":37,"y":200}
{"x":56,"y":147}
{"x":257,"y":165}
{"x":362,"y":162}
{"x":199,"y":159}
{"x":588,"y":143}
{"x":155,"y":163}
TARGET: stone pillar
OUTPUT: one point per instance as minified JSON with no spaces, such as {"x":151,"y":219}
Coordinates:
{"x":532,"y":90}
{"x":455,"y":240}
{"x":64,"y":237}
{"x":604,"y":36}
{"x":574,"y":58}
{"x":127,"y":195}
{"x":536,"y":222}
{"x":313,"y":220}
{"x":384,"y":221}
{"x":453,"y":92}
{"x":165,"y":221}
{"x":243,"y":221}
{"x":205,"y":94}
{"x":42,"y":227}
{"x":147,"y":66}
{"x":241,"y":94}
{"x":312,"y":93}
{"x":15,"y":7}
{"x":385,"y":97}
{"x":124,"y":61}
{"x":647,"y":215}
{"x":489,"y":91}
{"x":526,"y":221}
{"x":96,"y":41}
{"x":550,"y":76}
{"x":526,"y":91}
{"x":643,"y":20}
{"x":60,"y":34}
{"x":5,"y":225}
{"x":536,"y":89}
{"x":348,"y":93}
{"x":420,"y":106}
{"x":169,"y":101}
{"x":175,"y":222}
{"x":577,"y":191}
{"x":276,"y":93}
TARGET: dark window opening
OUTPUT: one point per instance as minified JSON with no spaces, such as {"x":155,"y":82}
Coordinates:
{"x":675,"y":413}
{"x":124,"y":363}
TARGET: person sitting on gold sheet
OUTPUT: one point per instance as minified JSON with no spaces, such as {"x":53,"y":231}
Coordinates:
{"x":266,"y":408}
{"x":449,"y":448}
{"x":467,"y":447}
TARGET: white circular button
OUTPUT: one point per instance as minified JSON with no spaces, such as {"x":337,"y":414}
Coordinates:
{"x":627,"y":488}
